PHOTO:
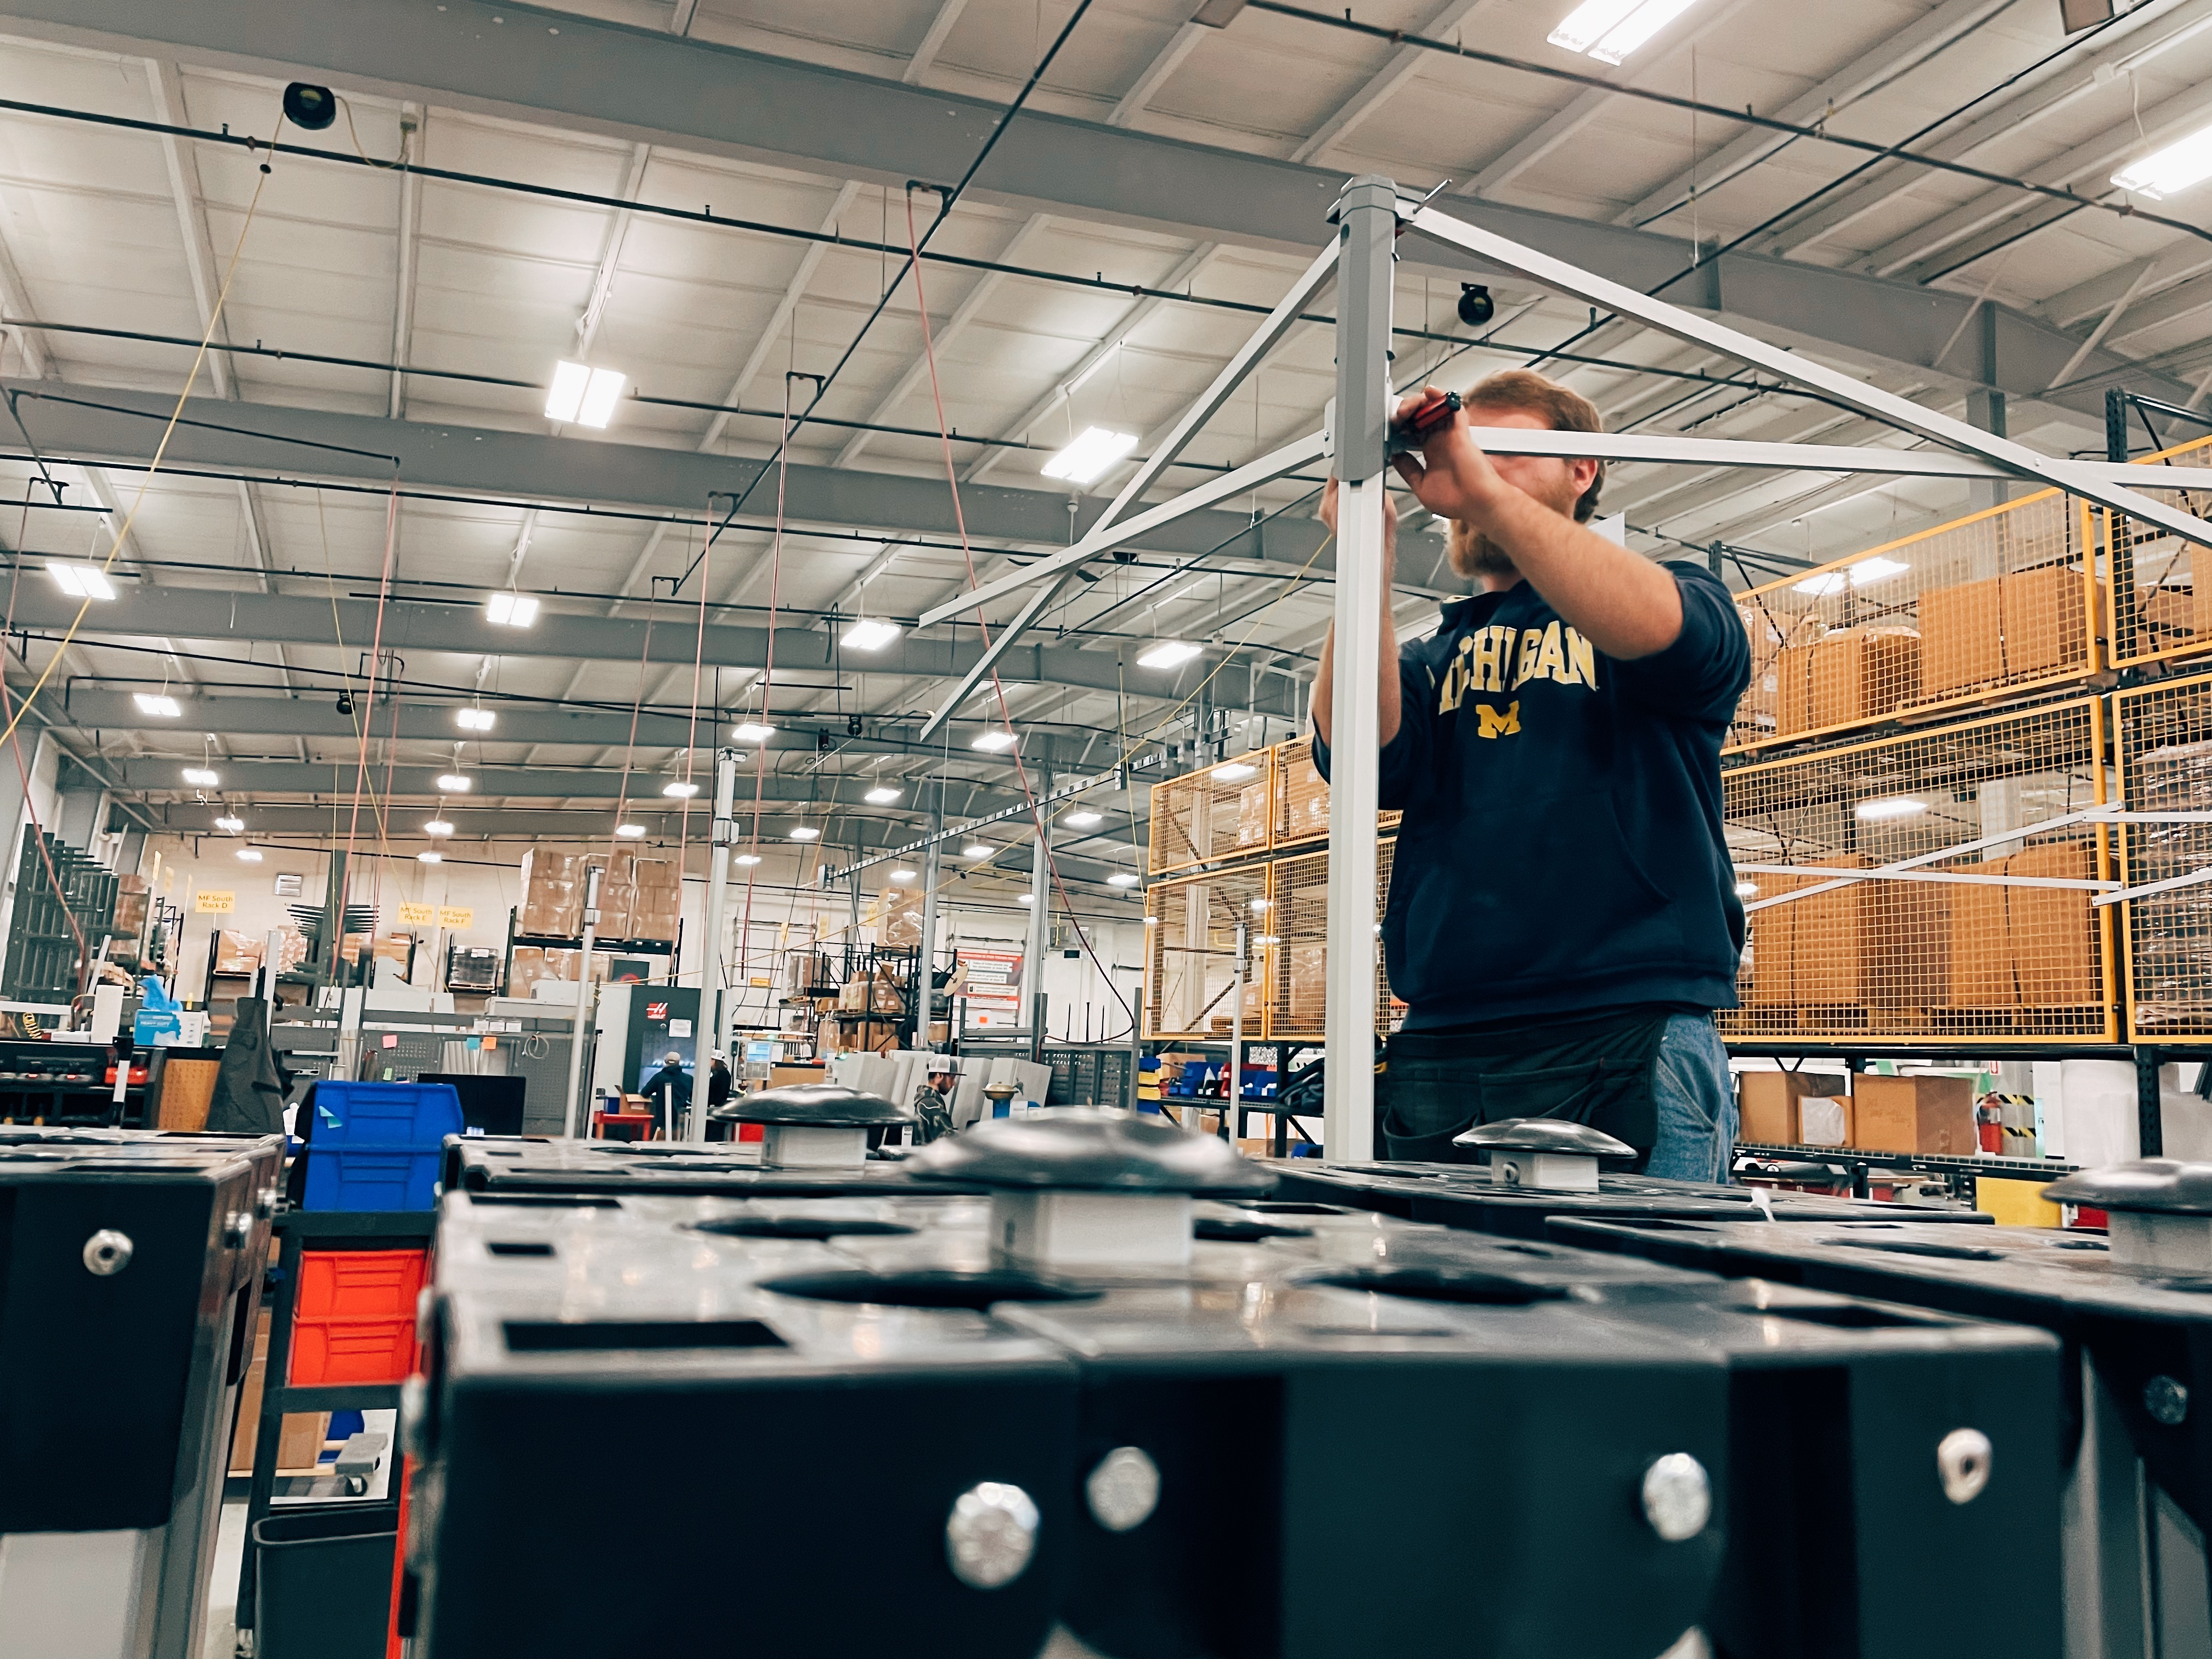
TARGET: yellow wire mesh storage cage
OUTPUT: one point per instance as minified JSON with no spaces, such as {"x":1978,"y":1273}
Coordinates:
{"x":2001,"y":601}
{"x":1934,"y":887}
{"x":2165,"y":733}
{"x":1221,"y":811}
{"x":2161,"y":605}
{"x":1191,"y":953}
{"x":1302,"y":798}
{"x":1298,"y":947}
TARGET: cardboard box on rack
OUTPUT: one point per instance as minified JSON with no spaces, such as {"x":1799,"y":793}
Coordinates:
{"x":2046,"y":620}
{"x":1980,"y":972}
{"x":1961,"y":636}
{"x":1766,"y":1103}
{"x":1252,"y":814}
{"x":1922,"y":1113}
{"x":2053,"y":930}
{"x":1792,"y":689}
{"x":1864,"y":674}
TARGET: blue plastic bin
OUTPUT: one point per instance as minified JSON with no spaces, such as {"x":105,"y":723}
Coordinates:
{"x":375,"y":1145}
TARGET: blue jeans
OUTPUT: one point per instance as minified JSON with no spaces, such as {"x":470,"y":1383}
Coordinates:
{"x":1697,"y":1103}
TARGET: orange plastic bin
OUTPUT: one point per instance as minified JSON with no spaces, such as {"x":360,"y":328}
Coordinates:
{"x":353,"y":1320}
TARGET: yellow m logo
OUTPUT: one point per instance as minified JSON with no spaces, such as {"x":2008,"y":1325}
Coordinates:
{"x":1495,"y":725}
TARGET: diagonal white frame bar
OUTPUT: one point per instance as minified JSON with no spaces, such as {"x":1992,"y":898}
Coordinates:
{"x":1001,"y":642}
{"x":1661,"y":449}
{"x":1103,"y":537}
{"x":1698,"y":330}
{"x":1937,"y":875}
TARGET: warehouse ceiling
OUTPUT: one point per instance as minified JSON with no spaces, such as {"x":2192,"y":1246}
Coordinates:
{"x":712,"y":201}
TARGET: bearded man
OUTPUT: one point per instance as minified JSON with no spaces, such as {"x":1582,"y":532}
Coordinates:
{"x":1563,"y":919}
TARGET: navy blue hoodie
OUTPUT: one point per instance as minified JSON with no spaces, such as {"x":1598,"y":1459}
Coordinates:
{"x":1562,"y":850}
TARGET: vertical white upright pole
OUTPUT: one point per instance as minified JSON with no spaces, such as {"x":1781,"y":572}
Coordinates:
{"x":1232,"y":1092}
{"x":1040,"y":915}
{"x":1367,"y":220}
{"x":718,"y":994}
{"x":931,"y":866}
{"x":581,"y":1034}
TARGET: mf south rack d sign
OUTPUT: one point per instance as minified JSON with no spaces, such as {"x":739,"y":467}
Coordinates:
{"x":215,"y":904}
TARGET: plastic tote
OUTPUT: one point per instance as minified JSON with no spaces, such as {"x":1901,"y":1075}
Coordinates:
{"x":322,"y":1586}
{"x":375,"y":1145}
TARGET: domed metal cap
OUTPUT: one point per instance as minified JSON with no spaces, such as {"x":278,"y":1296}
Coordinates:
{"x":818,"y":1105}
{"x":1088,"y":1148}
{"x":2164,"y":1185}
{"x":1544,"y":1134}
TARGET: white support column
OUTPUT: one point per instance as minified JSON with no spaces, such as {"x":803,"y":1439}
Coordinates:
{"x":1040,"y":913}
{"x":931,"y":867}
{"x":579,"y":1036}
{"x":718,"y":995}
{"x":1367,"y":220}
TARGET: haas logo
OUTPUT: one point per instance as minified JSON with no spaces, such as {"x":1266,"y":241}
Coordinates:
{"x":656,"y":1011}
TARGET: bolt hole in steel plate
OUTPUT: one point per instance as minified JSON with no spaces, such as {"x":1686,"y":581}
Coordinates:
{"x":1677,"y":1496}
{"x":1123,"y":1490}
{"x":930,"y":1288}
{"x":991,"y":1535}
{"x":799,"y":1226}
{"x":1914,"y":1247}
{"x":107,"y":1253}
{"x":1445,"y":1285}
{"x":1962,"y":1464}
{"x":1224,"y":1229}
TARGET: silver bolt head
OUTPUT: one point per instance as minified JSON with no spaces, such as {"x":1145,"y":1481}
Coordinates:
{"x":107,"y":1252}
{"x":237,"y":1229}
{"x":991,"y":1535}
{"x":2166,"y":1400}
{"x":264,"y":1202}
{"x":1124,"y":1489}
{"x":1678,"y":1497}
{"x":1962,"y":1462}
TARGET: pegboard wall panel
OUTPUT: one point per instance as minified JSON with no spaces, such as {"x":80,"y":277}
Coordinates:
{"x":2166,"y":766}
{"x":2004,"y":600}
{"x":2161,"y":586}
{"x":1224,"y":811}
{"x":1190,"y":970}
{"x":1994,"y":935}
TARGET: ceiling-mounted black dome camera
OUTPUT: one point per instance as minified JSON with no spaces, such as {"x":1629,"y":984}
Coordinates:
{"x":1476,"y":307}
{"x":854,"y":727}
{"x":312,"y":108}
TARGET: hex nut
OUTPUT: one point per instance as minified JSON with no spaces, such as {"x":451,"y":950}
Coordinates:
{"x":2166,"y":1400}
{"x":1677,"y":1496}
{"x":107,"y":1252}
{"x":1124,"y":1489}
{"x":1962,"y":1462}
{"x":991,"y":1535}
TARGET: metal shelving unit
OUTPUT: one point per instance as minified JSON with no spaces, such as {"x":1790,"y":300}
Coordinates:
{"x":1960,"y":1172}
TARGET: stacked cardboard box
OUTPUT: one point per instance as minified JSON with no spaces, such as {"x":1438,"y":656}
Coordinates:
{"x":552,"y":894}
{"x":898,"y":917}
{"x":1769,"y":1103}
{"x":2000,"y":628}
{"x":1252,"y":815}
{"x":656,"y":898}
{"x":1924,"y":1113}
{"x":1863,"y":674}
{"x":2171,"y":932}
{"x":1304,"y":798}
{"x":2033,"y":947}
{"x":1872,"y":943}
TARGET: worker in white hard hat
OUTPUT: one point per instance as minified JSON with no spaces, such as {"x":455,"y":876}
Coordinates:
{"x":718,"y":1079}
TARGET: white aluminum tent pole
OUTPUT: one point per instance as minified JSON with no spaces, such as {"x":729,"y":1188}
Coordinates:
{"x":1698,"y":330}
{"x":718,"y":995}
{"x":580,"y":1033}
{"x":923,"y":988}
{"x":1367,"y":222}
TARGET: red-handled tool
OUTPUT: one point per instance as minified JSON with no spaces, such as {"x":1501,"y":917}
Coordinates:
{"x":1410,"y":431}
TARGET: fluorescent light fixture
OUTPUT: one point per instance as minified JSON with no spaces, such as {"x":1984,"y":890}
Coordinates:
{"x":882,"y":795}
{"x":1028,"y":899}
{"x":1235,"y":771}
{"x":1608,"y":30}
{"x":81,"y":581}
{"x":511,"y":609}
{"x":976,"y":850}
{"x":906,"y":875}
{"x":437,"y":827}
{"x":632,"y":831}
{"x":233,"y":824}
{"x":429,"y":857}
{"x":250,"y":854}
{"x":1085,"y":819}
{"x":151,"y":703}
{"x":1746,"y":889}
{"x":1094,"y":449}
{"x":2168,"y":172}
{"x":1866,"y":571}
{"x":200,"y":776}
{"x":1123,"y":878}
{"x":748,"y":858}
{"x":751,"y":732}
{"x":1168,"y":653}
{"x":454,"y":784}
{"x":870,"y":634}
{"x":585,"y":396}
{"x":993,"y":741}
{"x":475,"y":720}
{"x":1894,"y":806}
{"x":804,"y":832}
{"x":679,"y":789}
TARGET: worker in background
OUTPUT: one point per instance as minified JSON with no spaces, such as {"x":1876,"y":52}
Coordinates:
{"x":669,"y":1089}
{"x":1562,"y":918}
{"x":718,"y":1079}
{"x":933,"y":1101}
